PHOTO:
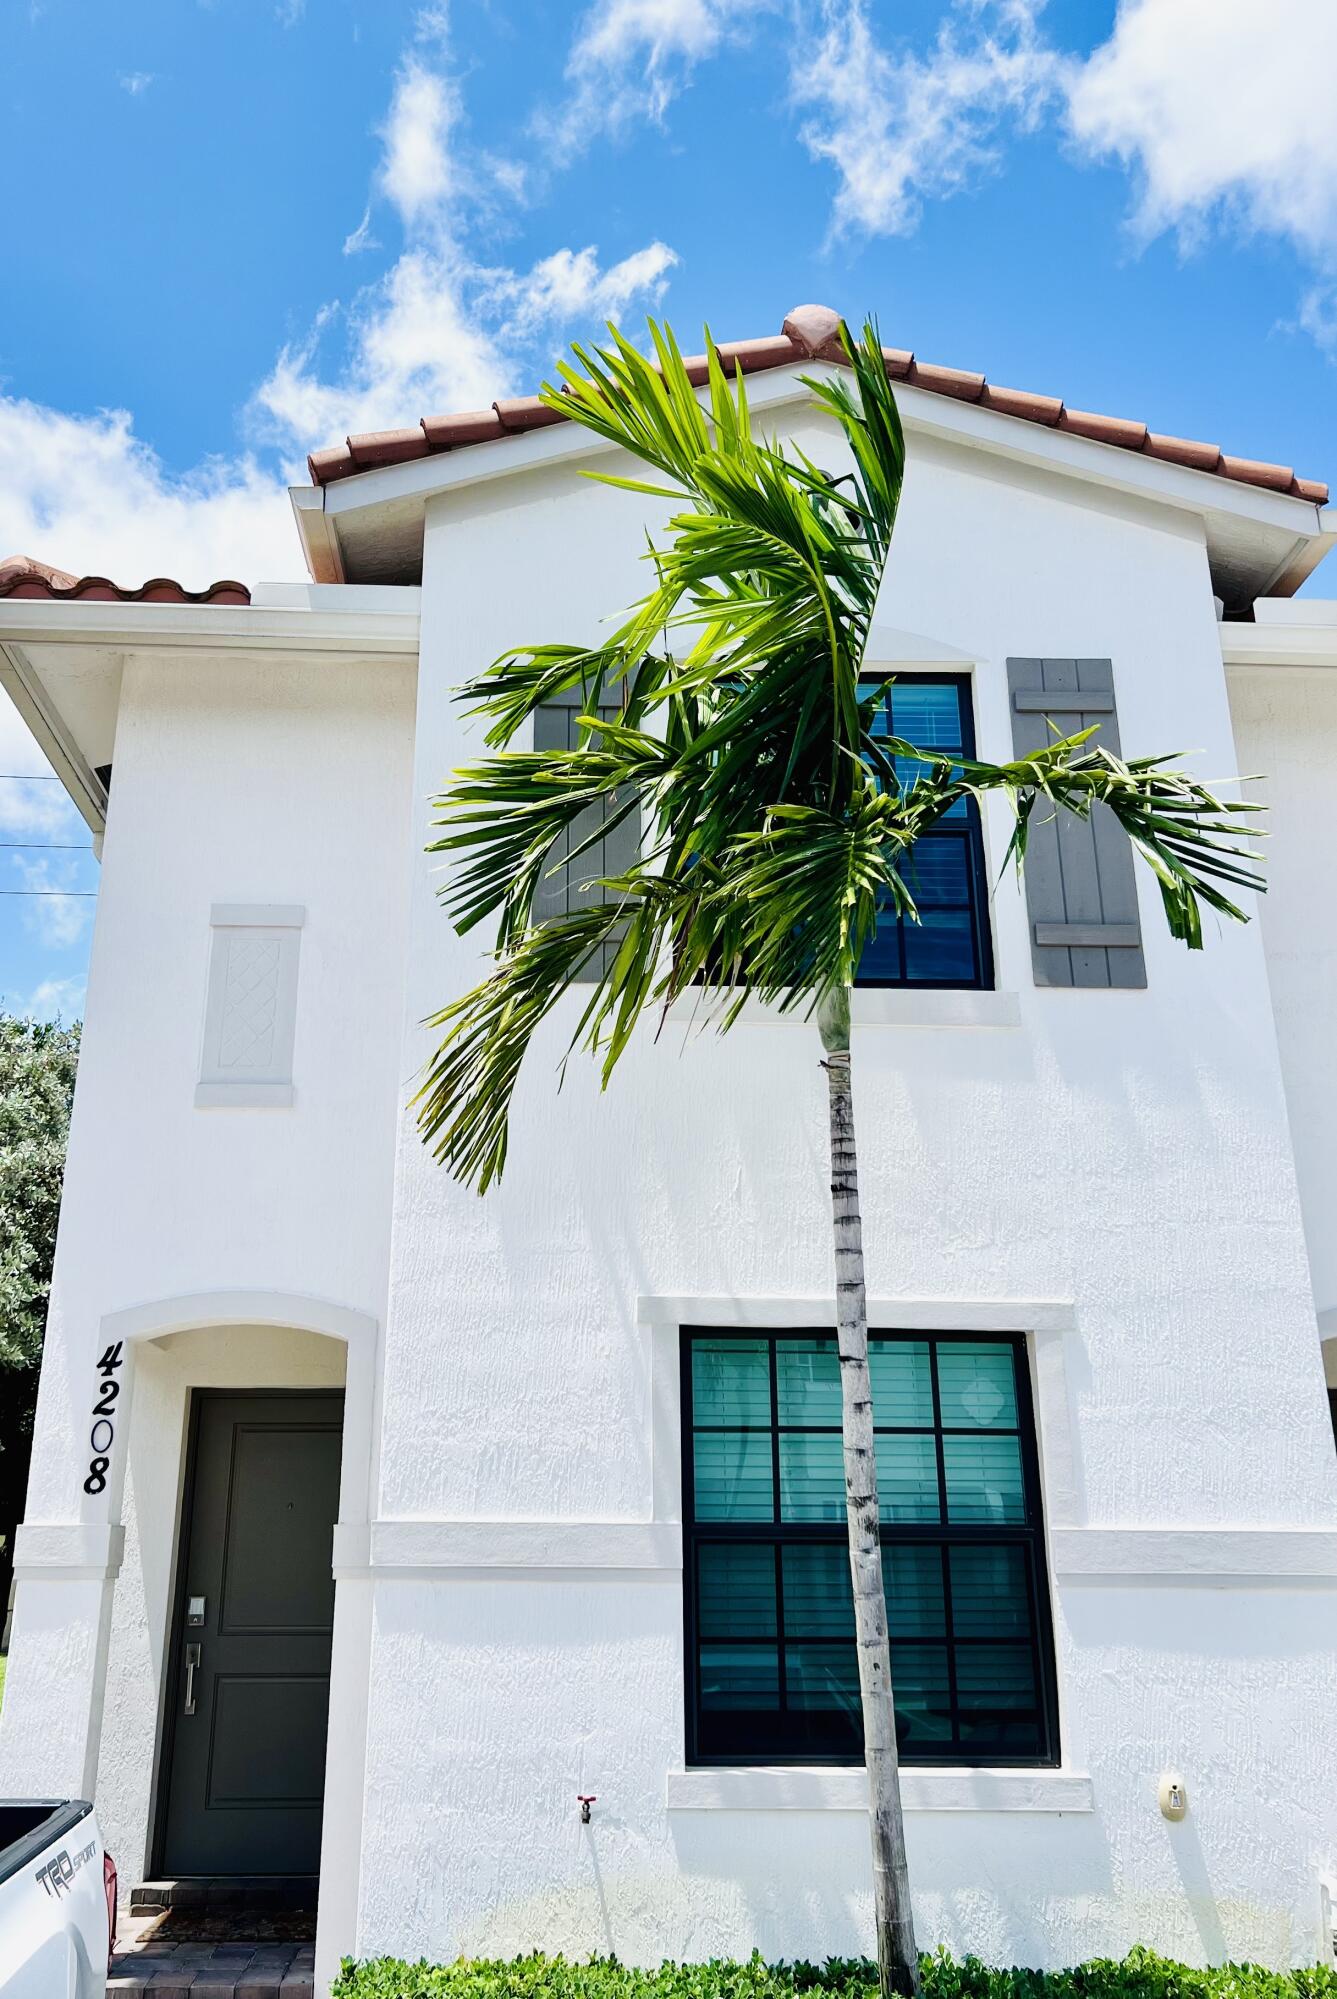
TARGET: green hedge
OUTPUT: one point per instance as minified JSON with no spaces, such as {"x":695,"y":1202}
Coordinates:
{"x":1140,"y":1975}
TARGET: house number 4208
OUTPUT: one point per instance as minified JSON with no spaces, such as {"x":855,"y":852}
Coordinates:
{"x":103,"y":1432}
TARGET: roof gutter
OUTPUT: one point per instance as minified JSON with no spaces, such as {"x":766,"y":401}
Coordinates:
{"x":207,"y":628}
{"x":318,"y":534}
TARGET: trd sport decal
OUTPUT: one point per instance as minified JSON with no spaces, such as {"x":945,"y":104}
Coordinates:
{"x":57,"y":1875}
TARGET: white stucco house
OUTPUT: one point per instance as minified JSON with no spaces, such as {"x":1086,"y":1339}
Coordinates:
{"x":372,"y":1525}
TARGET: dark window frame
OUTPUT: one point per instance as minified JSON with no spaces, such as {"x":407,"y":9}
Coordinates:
{"x":1030,"y":1536}
{"x":977,"y":878}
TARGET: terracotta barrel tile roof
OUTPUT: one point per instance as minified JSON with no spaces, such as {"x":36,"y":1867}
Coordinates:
{"x":956,"y":382}
{"x":1024,"y":403}
{"x":1120,"y":430}
{"x":469,"y":427}
{"x":812,"y":333}
{"x":526,"y":413}
{"x":776,"y":350}
{"x":1257,"y":472}
{"x":24,"y":576}
{"x":1184,"y":451}
{"x":387,"y":447}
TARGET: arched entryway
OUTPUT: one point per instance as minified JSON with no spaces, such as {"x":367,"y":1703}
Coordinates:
{"x":235,"y":1660}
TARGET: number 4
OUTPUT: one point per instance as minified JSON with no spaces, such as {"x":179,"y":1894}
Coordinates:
{"x":110,"y":1359}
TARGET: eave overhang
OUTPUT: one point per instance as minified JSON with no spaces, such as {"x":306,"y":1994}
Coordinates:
{"x":61,"y":662}
{"x":369,"y":527}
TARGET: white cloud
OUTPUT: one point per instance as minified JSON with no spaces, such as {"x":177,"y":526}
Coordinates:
{"x":416,"y":170}
{"x":55,"y":999}
{"x":630,"y":58}
{"x":85,"y":493}
{"x":34,"y":808}
{"x":135,"y":81}
{"x":440,"y":330}
{"x":1223,"y":111}
{"x":569,"y":285}
{"x":58,"y":919}
{"x":902,"y":127}
{"x":1318,"y":316}
{"x":413,"y":348}
{"x":37,"y":809}
{"x":361,"y":238}
{"x":1220,"y":109}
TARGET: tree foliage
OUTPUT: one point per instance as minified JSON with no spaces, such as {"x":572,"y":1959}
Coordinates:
{"x":37,"y":1067}
{"x":38,"y":1060}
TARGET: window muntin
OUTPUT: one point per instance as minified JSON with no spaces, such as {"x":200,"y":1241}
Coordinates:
{"x":772,"y":1674}
{"x":950,"y":945}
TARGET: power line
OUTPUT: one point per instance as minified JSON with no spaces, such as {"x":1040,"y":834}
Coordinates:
{"x":31,"y":776}
{"x":49,"y":846}
{"x":72,"y":892}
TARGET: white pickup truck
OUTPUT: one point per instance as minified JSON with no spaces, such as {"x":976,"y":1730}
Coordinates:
{"x":57,"y":1901}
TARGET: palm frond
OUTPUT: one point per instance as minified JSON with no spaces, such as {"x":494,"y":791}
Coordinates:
{"x":775,"y":830}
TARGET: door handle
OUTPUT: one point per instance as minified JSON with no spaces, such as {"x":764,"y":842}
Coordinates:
{"x":192,"y":1661}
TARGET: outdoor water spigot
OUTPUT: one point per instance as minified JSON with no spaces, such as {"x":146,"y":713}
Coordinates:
{"x":585,"y":1804}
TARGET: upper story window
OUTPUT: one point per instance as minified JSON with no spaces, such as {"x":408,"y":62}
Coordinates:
{"x":771,"y":1667}
{"x":945,"y":873}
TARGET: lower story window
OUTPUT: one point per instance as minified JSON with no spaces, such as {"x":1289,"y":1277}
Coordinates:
{"x":772,"y":1673}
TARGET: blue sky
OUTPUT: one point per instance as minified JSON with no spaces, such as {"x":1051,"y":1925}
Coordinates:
{"x":240,"y":228}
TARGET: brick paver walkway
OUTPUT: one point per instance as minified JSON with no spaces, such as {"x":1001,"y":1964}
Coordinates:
{"x":238,"y":1968}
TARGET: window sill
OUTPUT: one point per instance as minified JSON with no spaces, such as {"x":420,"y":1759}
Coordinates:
{"x":243,"y":1096}
{"x":883,"y":1006}
{"x":839,"y":1789}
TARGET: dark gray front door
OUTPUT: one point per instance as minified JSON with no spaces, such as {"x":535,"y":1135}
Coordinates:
{"x":246,"y":1778}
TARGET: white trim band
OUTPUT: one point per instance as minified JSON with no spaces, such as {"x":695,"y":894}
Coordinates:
{"x":846,"y":1790}
{"x":243,"y":1096}
{"x":1211,"y":1557}
{"x":913,"y":1315}
{"x":526,"y":1550}
{"x":873,"y":1006}
{"x":258,"y":915}
{"x":68,"y":1551}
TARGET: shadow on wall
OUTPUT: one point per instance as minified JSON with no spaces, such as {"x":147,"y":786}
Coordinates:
{"x":1211,"y":1682}
{"x":1013,"y":1889}
{"x":1191,"y":1862}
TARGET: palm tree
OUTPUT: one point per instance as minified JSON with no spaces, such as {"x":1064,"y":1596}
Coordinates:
{"x":773,"y":828}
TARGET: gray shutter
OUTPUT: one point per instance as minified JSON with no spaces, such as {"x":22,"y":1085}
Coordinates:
{"x":1081,"y":895}
{"x":555,"y":729}
{"x":552,"y":731}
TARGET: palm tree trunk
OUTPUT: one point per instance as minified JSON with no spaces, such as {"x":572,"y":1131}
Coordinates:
{"x":897,"y":1959}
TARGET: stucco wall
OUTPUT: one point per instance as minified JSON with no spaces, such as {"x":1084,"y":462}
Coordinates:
{"x":1286,"y":731}
{"x":270,"y":779}
{"x":1126,"y":1151}
{"x":236,"y":780}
